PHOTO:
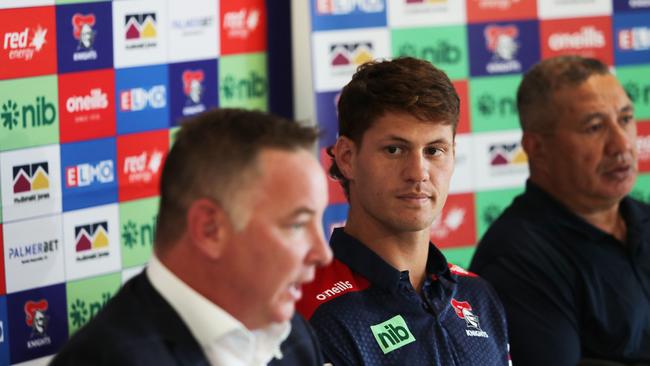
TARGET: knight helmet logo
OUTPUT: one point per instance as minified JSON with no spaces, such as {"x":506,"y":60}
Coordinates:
{"x":502,"y":41}
{"x":36,"y":317}
{"x":464,"y":311}
{"x":82,"y":30}
{"x":193,"y":85}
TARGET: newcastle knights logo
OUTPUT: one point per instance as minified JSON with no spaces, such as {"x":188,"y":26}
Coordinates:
{"x":463,"y":310}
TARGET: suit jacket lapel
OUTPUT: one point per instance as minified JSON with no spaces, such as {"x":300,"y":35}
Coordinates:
{"x":181,"y":343}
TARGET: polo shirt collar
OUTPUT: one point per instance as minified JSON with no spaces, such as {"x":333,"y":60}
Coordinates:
{"x":371,"y":266}
{"x":635,"y":218}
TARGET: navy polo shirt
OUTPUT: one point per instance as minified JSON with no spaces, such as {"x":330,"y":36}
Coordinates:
{"x":365,"y":312}
{"x":570,"y":290}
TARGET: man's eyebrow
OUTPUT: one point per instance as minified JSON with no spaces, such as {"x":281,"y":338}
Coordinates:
{"x":628,"y":108}
{"x":407,"y":142}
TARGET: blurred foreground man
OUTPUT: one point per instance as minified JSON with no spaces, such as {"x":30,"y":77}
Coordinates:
{"x":570,"y":258}
{"x":239,"y":231}
{"x":390,"y":297}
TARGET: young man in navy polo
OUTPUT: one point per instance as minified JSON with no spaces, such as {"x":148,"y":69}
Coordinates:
{"x":390,"y":297}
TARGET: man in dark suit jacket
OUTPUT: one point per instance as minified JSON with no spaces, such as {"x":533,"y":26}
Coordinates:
{"x":229,"y":258}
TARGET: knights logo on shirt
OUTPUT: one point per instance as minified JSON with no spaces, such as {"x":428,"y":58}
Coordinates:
{"x":464,"y":311}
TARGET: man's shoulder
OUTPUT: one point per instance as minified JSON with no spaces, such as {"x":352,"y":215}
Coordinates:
{"x":124,"y":330}
{"x":330,"y":284}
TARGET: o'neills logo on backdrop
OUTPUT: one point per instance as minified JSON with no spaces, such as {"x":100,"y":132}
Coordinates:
{"x":83,"y":31}
{"x":502,"y":41}
{"x":36,"y":318}
{"x":587,"y":37}
{"x":96,"y":99}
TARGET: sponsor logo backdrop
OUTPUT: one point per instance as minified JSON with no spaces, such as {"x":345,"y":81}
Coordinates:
{"x":90,"y":94}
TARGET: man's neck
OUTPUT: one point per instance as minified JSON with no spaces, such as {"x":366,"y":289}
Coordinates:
{"x":605,"y":217}
{"x":405,"y":251}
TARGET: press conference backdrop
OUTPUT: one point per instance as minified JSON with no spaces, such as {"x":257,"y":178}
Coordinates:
{"x":484,"y":46}
{"x":90,"y":93}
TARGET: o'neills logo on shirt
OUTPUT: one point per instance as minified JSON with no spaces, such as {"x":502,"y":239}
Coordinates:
{"x":338,"y":288}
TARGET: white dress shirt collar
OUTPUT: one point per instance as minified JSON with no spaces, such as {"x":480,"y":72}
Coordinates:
{"x":225,"y":340}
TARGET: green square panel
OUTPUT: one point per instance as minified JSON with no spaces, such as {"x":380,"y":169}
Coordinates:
{"x":636,"y":81}
{"x":493,"y":103}
{"x":88,"y":296}
{"x":461,"y":256}
{"x":445,"y":47}
{"x":29,"y":112}
{"x":137,"y":230}
{"x":641,"y":190}
{"x":243,"y":82}
{"x":490,"y":205}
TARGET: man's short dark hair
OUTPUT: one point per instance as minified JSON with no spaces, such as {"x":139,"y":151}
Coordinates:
{"x":403,"y":85}
{"x":214,"y":156}
{"x":534,"y":96}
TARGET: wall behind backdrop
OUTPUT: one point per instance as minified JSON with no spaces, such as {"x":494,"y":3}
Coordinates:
{"x":91,"y":92}
{"x":484,"y":46}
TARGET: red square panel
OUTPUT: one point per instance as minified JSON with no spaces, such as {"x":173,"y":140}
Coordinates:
{"x":28,"y":43}
{"x":140,"y":159}
{"x":456,"y":225}
{"x":588,"y":37}
{"x":500,"y":10}
{"x":243,"y":26}
{"x":87,"y":105}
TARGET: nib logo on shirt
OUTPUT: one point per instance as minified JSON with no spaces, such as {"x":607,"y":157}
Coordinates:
{"x":463,"y":310}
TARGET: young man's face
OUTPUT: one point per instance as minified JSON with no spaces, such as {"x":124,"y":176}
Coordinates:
{"x":282,"y":242}
{"x":399,"y":175}
{"x":591,"y":155}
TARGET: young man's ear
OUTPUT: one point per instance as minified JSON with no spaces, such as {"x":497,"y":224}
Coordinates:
{"x":344,"y":154}
{"x":208,"y":226}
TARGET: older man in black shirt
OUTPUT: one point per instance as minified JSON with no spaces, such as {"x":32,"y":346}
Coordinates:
{"x":570,"y":257}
